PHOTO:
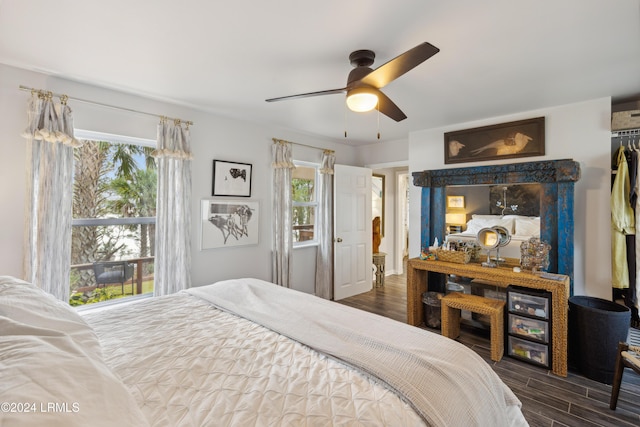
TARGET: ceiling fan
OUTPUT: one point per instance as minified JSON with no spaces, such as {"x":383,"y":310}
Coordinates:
{"x":364,"y":84}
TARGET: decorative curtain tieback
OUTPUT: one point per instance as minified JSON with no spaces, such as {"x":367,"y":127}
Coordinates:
{"x":283,"y":165}
{"x":175,"y":154}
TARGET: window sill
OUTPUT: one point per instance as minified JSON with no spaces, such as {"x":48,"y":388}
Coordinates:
{"x":105,"y":305}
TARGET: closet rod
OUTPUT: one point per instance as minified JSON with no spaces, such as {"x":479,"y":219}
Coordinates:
{"x":276,"y":140}
{"x":86,"y":101}
{"x":625,"y":132}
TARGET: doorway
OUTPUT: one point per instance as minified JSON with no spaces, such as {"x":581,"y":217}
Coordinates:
{"x":396,"y":215}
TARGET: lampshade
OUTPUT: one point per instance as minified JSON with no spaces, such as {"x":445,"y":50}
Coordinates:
{"x":361,"y":99}
{"x":456,"y":218}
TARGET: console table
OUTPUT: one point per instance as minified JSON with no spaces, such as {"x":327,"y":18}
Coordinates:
{"x":503,"y":277}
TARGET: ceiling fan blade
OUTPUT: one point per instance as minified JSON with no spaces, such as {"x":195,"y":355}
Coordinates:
{"x":388,"y":72}
{"x":387,"y":107}
{"x":306,"y":95}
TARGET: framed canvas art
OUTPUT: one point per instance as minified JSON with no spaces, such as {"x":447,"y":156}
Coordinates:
{"x":231,"y":179}
{"x":455,"y":202}
{"x":522,"y":138}
{"x":228,"y":223}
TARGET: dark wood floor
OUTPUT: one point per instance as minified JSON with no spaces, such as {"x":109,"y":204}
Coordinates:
{"x":547,"y":400}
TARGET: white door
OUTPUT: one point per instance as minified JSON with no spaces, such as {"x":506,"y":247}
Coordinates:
{"x":402,"y":220}
{"x":353,"y":259}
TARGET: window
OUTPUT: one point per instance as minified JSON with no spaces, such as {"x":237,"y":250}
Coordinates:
{"x":113,"y":223}
{"x":305,"y":202}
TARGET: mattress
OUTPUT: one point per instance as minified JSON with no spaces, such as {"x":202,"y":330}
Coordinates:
{"x":190,"y":364}
{"x":249,"y":353}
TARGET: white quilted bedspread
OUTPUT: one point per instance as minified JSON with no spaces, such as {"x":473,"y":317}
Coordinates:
{"x":190,"y":364}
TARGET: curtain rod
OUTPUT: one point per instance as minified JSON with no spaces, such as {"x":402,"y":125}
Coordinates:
{"x":276,"y":140}
{"x":187,"y":122}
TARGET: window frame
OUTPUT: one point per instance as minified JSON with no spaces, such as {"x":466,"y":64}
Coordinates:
{"x":113,"y":139}
{"x":314,"y":204}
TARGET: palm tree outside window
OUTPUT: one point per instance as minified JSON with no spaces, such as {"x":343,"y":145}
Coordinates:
{"x":114,"y":209}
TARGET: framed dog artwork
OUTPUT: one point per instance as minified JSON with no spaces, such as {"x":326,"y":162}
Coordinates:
{"x":231,"y":179}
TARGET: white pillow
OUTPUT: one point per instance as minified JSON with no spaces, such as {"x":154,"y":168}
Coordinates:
{"x":29,"y":305}
{"x":527,"y":226}
{"x":479,"y":222}
{"x":51,"y":369}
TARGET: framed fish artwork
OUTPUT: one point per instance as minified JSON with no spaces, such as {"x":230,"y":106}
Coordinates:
{"x":231,"y":179}
{"x":523,"y":138}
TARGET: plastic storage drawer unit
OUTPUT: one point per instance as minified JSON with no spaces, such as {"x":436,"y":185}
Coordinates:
{"x":529,"y":305}
{"x":528,"y":351}
{"x":532,"y":329}
{"x":528,"y":325}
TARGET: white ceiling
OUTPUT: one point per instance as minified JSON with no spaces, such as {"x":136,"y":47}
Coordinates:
{"x":496,"y":56}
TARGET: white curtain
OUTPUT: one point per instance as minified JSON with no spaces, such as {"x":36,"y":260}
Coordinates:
{"x":324,"y":233}
{"x":282,"y":165}
{"x":48,"y":207}
{"x":173,"y":215}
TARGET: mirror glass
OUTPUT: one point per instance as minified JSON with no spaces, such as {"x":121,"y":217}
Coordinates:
{"x":377,"y":199}
{"x":485,"y":199}
{"x":504,"y":237}
{"x":488,"y":238}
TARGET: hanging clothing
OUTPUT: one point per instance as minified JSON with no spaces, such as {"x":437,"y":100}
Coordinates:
{"x":635,"y":298}
{"x":632,"y":162}
{"x":632,"y":301}
{"x":622,"y":223}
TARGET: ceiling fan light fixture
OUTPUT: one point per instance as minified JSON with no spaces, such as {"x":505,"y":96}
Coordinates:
{"x":361,"y":99}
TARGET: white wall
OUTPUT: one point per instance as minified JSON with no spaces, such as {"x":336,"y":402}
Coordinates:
{"x":213,"y":137}
{"x":578,"y":131}
{"x":390,"y":153}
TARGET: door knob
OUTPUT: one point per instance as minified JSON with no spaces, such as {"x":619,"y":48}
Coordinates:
{"x":339,"y":240}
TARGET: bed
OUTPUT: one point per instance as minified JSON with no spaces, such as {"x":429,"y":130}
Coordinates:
{"x":239,"y":352}
{"x":522,"y":228}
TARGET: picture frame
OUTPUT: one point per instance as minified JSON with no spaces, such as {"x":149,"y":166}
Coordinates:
{"x":231,"y":179}
{"x":377,"y":199}
{"x":228,"y":223}
{"x":522,"y":138}
{"x":455,"y":202}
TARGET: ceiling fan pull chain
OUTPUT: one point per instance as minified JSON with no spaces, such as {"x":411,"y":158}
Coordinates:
{"x":345,"y":120}
{"x":378,"y":123}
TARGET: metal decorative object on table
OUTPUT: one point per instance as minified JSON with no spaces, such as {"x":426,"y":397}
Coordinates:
{"x":504,"y":239}
{"x":534,"y":255}
{"x":488,"y":239}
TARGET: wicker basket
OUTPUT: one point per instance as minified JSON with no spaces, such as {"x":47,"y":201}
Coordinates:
{"x":459,"y":257}
{"x":621,"y":120}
